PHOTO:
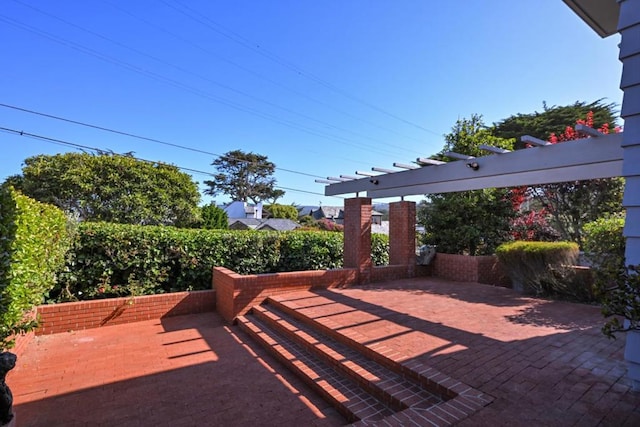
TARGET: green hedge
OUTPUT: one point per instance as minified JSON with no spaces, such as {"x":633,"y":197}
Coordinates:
{"x":543,"y":268}
{"x":604,"y":245}
{"x":34,"y":239}
{"x":117,"y":259}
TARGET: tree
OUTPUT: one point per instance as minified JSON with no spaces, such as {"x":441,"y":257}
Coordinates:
{"x":111,"y":188}
{"x":468,"y":222}
{"x":243,"y":177}
{"x":552,"y":120}
{"x":213,"y":217}
{"x":570,"y":205}
{"x":282,"y":211}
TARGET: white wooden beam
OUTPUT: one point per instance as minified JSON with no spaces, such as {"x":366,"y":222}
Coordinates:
{"x":492,"y":149}
{"x":405,"y":166}
{"x":587,"y":158}
{"x":534,"y":141}
{"x":458,"y":156}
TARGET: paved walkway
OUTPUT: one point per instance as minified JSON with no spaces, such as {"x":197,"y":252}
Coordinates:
{"x":545,"y":362}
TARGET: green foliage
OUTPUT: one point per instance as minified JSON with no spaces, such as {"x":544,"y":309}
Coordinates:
{"x":213,"y":218}
{"x":34,"y":238}
{"x":380,"y":249}
{"x":282,"y":211}
{"x":543,"y":268}
{"x":617,"y":285}
{"x":469,"y":222}
{"x":244,"y":176}
{"x":604,"y":247}
{"x":310,"y":250}
{"x":111,"y":188}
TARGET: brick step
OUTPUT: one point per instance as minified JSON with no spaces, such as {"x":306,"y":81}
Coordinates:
{"x":429,"y":378}
{"x":391,"y":388}
{"x":354,"y":403}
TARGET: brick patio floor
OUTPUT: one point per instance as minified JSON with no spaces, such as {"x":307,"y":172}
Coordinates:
{"x":546,"y":363}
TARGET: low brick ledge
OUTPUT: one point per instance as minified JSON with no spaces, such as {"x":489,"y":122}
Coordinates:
{"x":64,"y":317}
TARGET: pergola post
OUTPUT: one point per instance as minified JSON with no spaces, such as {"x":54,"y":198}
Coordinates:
{"x":629,"y":29}
{"x":402,"y":235}
{"x":357,"y":237}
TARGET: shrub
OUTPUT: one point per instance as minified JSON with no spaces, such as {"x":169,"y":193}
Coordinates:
{"x":543,"y":268}
{"x":380,"y":249}
{"x":34,"y":239}
{"x":604,"y":245}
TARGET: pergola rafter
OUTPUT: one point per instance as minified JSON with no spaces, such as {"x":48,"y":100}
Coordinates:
{"x":586,"y":158}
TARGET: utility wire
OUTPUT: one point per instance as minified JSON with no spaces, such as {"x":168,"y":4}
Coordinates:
{"x":258,"y":74}
{"x":144,"y":138}
{"x":83,"y":147}
{"x":208,"y":79}
{"x":180,"y":85}
{"x":256,"y":47}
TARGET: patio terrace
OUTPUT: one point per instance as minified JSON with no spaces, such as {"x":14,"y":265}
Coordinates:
{"x":543,"y":362}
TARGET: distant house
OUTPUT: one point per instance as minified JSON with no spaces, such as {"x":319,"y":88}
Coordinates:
{"x":333,"y":213}
{"x":270,"y":224}
{"x":238,"y":210}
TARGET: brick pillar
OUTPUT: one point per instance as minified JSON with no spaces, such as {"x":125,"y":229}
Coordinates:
{"x":357,"y":237}
{"x":402,"y":235}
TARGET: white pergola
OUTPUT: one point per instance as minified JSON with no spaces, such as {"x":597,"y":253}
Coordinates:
{"x":595,"y":157}
{"x":599,"y":156}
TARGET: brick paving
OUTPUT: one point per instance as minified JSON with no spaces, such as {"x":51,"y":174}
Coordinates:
{"x":544,"y":362}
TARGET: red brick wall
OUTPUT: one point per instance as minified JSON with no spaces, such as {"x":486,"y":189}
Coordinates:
{"x":357,"y":237}
{"x":385,"y":273}
{"x":65,"y":317}
{"x":464,"y":268}
{"x":236,"y":293}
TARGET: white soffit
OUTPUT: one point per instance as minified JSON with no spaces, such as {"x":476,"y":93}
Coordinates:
{"x":600,"y":15}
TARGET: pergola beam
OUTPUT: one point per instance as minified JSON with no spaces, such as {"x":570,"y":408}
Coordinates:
{"x":587,"y":158}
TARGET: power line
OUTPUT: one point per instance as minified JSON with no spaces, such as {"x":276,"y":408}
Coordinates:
{"x":256,"y":47}
{"x":205,"y":78}
{"x":144,"y":138}
{"x":83,"y":147}
{"x":258,"y":74}
{"x":177,"y":84}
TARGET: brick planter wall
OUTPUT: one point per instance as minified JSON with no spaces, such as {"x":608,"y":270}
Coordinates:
{"x":55,"y":318}
{"x":464,"y":268}
{"x":237,"y":293}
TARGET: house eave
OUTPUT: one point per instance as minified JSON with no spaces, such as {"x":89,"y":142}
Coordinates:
{"x":600,"y":15}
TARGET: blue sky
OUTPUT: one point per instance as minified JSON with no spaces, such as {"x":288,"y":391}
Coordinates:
{"x":322,"y":88}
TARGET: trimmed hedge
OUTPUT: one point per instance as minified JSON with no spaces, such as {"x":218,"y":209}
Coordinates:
{"x":34,"y":239}
{"x":109,"y":260}
{"x":543,"y":268}
{"x":604,"y":246}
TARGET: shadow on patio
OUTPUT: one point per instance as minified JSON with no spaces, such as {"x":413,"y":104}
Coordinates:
{"x":545,"y":362}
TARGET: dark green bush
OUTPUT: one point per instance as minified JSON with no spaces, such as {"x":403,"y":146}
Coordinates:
{"x":543,"y":268}
{"x":34,"y":239}
{"x":109,"y":260}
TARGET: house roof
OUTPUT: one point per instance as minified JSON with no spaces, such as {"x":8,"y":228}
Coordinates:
{"x":276,"y":224}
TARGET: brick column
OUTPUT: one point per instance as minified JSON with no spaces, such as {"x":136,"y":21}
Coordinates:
{"x":357,"y":237}
{"x":402,"y":235}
